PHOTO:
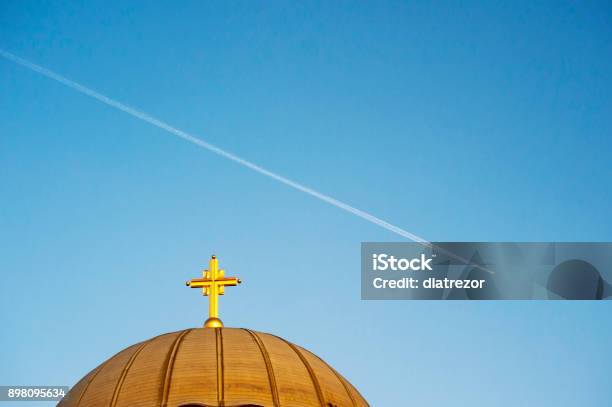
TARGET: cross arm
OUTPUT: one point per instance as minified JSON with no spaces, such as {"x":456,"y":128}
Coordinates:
{"x":198,"y":283}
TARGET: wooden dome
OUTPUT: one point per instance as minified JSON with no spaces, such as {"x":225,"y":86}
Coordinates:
{"x":214,"y":367}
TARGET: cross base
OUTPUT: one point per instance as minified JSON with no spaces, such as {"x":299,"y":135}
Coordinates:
{"x":213,"y":322}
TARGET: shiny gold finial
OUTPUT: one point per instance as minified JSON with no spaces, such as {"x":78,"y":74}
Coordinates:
{"x":213,"y":284}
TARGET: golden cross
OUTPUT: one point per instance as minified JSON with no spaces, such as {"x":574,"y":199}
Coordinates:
{"x":213,"y":285}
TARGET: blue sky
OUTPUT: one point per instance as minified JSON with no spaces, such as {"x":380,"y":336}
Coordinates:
{"x":461,"y":121}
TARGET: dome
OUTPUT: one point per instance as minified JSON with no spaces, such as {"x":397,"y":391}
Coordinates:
{"x":228,"y":367}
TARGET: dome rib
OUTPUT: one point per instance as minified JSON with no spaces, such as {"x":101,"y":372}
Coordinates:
{"x":348,"y":391}
{"x":125,"y":371}
{"x":311,"y":372}
{"x":268,"y":363}
{"x":340,"y":379}
{"x":91,"y":379}
{"x":220,"y":373}
{"x":170,"y":366}
{"x":93,"y":376}
{"x":354,"y":394}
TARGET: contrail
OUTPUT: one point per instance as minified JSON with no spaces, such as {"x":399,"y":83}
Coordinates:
{"x":223,"y":153}
{"x":201,"y":143}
